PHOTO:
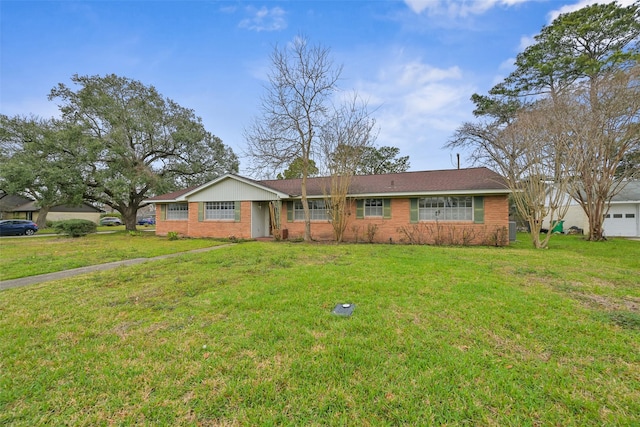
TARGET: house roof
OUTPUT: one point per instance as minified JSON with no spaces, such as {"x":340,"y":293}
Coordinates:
{"x":452,"y":181}
{"x":9,"y":202}
{"x":629,"y":193}
{"x":173,"y":196}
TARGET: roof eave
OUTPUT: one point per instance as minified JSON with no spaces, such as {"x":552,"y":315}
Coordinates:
{"x":407,"y":194}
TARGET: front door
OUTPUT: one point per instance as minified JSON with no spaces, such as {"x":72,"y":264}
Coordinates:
{"x":259,"y":219}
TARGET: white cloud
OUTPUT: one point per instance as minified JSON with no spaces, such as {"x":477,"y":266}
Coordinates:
{"x":507,"y":65}
{"x":418,"y":107}
{"x":457,"y":7}
{"x":264,"y":19}
{"x":526,"y":41}
{"x":583,"y":3}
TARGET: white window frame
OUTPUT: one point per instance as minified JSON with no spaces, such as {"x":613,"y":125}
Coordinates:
{"x":177,"y":211}
{"x":373,"y":207}
{"x":317,"y":210}
{"x":445,"y":208}
{"x":220,"y":211}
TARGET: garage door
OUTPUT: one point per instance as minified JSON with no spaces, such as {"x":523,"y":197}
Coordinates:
{"x":622,"y":221}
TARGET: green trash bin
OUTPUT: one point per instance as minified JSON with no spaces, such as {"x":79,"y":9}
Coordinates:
{"x":558,"y":227}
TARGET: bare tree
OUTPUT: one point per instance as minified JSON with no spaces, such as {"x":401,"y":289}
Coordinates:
{"x":542,"y":176}
{"x":531,"y":151}
{"x":344,"y":140}
{"x":605,"y":126}
{"x":580,"y":57}
{"x":294,"y":108}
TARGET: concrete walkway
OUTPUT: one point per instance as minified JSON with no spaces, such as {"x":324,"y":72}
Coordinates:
{"x":32,"y":280}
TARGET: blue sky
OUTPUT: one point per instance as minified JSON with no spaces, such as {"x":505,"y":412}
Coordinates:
{"x":417,"y":62}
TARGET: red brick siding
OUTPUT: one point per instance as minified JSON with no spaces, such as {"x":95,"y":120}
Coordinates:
{"x":399,"y":229}
{"x":164,"y":227}
{"x":218,"y":228}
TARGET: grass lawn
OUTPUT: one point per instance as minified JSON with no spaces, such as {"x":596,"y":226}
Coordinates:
{"x":29,"y":256}
{"x":245,"y":336}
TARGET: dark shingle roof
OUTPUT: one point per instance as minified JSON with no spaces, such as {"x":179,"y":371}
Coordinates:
{"x":171,"y":196}
{"x":630,"y":192}
{"x":453,"y":180}
{"x":472,"y":180}
{"x":9,"y":202}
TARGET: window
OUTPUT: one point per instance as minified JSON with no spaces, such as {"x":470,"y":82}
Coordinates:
{"x":317,"y":210}
{"x":372,"y":207}
{"x":445,"y":208}
{"x":178,"y":211}
{"x":617,"y":215}
{"x":219,"y":210}
{"x":630,"y":215}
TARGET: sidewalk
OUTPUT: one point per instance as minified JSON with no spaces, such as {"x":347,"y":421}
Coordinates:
{"x":32,"y":280}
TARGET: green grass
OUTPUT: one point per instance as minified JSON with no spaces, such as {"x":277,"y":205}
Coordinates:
{"x":30,"y":256}
{"x":245,"y":336}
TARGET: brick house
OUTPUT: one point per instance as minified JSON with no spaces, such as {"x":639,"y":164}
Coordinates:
{"x":459,"y":206}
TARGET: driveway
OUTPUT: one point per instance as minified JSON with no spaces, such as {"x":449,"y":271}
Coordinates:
{"x":49,"y":277}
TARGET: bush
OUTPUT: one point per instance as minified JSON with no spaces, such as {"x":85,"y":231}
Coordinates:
{"x":173,"y":235}
{"x":75,"y":227}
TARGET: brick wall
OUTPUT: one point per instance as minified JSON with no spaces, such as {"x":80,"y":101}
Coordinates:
{"x":164,"y":227}
{"x":208,"y":228}
{"x":221,"y":228}
{"x":398,"y":228}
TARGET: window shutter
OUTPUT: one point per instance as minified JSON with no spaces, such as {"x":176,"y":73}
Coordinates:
{"x":478,"y":209}
{"x":360,"y":208}
{"x":236,"y":211}
{"x":289,"y":211}
{"x":163,"y":212}
{"x":413,"y":211}
{"x":200,"y":211}
{"x":386,"y":208}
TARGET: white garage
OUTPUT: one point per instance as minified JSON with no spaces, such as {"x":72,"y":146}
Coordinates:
{"x":622,"y":220}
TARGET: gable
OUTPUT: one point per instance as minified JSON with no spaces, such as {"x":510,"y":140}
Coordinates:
{"x":232,"y":190}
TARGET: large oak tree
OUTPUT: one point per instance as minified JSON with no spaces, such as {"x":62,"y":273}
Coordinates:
{"x":136,"y":143}
{"x":34,"y":162}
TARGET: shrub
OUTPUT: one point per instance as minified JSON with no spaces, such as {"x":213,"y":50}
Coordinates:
{"x":75,"y":227}
{"x":172,"y":235}
{"x":372,"y":229}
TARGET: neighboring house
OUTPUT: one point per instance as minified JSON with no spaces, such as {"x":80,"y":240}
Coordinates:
{"x":460,"y":206}
{"x":623,"y":218}
{"x":17,"y":207}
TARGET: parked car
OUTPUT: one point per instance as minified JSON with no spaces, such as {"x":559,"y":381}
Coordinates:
{"x":17,"y":227}
{"x":146,"y":221}
{"x":110,"y":220}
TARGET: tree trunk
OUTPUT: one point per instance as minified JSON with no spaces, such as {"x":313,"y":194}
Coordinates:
{"x":129,"y":218}
{"x":42,"y":217}
{"x":596,"y":220}
{"x":307,"y":214}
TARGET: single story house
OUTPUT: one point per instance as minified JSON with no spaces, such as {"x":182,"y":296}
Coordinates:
{"x":17,"y":207}
{"x":459,"y":206}
{"x":623,"y":218}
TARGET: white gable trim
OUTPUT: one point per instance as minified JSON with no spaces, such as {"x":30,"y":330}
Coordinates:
{"x":231,"y":187}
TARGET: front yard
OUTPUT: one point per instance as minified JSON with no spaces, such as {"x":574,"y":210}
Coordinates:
{"x":245,"y":336}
